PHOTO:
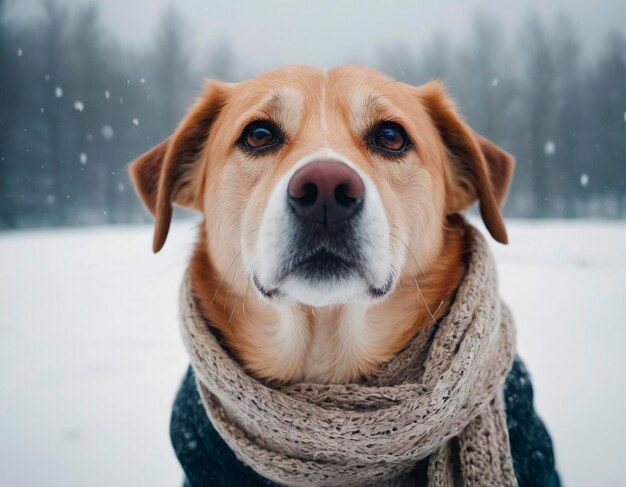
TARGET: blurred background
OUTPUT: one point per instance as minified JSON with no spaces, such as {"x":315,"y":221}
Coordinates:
{"x":89,"y":351}
{"x":87,"y":86}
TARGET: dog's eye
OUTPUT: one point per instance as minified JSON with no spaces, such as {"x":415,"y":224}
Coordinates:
{"x":390,"y":137}
{"x":259,"y":136}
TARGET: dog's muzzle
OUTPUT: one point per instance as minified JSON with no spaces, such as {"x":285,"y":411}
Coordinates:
{"x":325,"y":237}
{"x":325,"y":200}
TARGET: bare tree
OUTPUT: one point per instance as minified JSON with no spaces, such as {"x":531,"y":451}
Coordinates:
{"x":539,"y":112}
{"x":609,"y":108}
{"x":171,"y":68}
{"x":9,"y":101}
{"x":221,"y":64}
{"x":565,"y":175}
{"x":54,"y":45}
{"x":481,"y":62}
{"x":436,"y":59}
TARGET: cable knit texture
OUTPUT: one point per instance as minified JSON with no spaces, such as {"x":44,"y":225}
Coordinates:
{"x":441,"y":398}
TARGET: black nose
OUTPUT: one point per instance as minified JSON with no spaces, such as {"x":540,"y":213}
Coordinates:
{"x":326,"y":192}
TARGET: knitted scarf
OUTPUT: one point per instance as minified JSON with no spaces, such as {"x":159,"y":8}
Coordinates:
{"x":441,"y":397}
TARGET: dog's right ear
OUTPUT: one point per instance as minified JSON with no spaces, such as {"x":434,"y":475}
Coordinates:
{"x":168,"y":173}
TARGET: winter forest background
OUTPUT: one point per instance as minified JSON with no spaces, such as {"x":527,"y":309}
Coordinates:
{"x":77,"y":106}
{"x":90,"y":350}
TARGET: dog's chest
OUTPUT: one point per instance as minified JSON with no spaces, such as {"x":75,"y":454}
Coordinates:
{"x":339,"y":345}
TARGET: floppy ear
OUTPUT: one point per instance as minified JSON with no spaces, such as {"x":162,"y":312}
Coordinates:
{"x":480,"y":170}
{"x":168,"y":173}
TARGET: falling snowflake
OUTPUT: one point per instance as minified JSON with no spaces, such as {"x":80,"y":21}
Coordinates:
{"x":58,"y":92}
{"x":79,"y":105}
{"x":624,"y":116}
{"x":107,"y":95}
{"x":135,"y":121}
{"x":83,"y":158}
{"x":50,"y":199}
{"x":121,"y":187}
{"x":495,"y":82}
{"x":142,"y":80}
{"x":107,"y":132}
{"x":584,"y":180}
{"x":19,"y":51}
{"x":549,"y":148}
{"x":42,"y":110}
{"x":46,"y":78}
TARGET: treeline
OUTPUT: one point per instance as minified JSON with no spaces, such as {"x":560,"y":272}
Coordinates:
{"x":76,"y":107}
{"x":559,"y":110}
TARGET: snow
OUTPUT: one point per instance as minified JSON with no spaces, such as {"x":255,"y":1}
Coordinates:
{"x":135,"y":121}
{"x":549,"y":148}
{"x":19,"y":51}
{"x":58,"y":92}
{"x":107,"y":94}
{"x":83,"y":158}
{"x":565,"y":283}
{"x":107,"y":132}
{"x":90,"y":354}
{"x":584,"y":180}
{"x":79,"y":105}
{"x":495,"y":82}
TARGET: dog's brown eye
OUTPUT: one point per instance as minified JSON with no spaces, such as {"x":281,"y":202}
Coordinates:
{"x":390,"y":137}
{"x":259,"y":136}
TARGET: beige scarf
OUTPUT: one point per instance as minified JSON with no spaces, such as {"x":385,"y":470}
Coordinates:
{"x":441,"y":397}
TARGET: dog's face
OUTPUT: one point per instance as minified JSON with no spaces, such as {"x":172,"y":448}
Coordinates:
{"x":323,"y":186}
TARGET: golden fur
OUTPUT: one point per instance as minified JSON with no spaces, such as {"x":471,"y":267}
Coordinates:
{"x":200,"y":167}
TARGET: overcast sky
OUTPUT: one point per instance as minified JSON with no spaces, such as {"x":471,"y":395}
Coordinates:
{"x":327,"y":32}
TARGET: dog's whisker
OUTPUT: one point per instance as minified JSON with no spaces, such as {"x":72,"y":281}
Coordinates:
{"x":411,"y":254}
{"x":440,"y":305}
{"x":229,"y":292}
{"x":397,"y":272}
{"x":230,"y":318}
{"x":419,"y":291}
{"x":243,"y":303}
{"x":224,"y":277}
{"x":426,"y":216}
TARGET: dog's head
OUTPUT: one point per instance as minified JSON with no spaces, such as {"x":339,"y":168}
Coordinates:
{"x":323,"y":186}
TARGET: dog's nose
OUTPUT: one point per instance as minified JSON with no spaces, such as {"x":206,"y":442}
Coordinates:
{"x":326,"y":191}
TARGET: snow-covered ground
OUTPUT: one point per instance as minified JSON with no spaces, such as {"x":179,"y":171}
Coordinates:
{"x":90,"y":356}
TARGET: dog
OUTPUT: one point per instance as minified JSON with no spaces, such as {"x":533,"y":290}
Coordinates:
{"x":332,"y":229}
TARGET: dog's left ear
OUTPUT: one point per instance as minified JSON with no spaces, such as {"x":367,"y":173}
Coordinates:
{"x":168,"y":172}
{"x":480,"y":170}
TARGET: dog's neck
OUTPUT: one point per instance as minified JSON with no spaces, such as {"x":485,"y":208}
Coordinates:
{"x":338,"y":343}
